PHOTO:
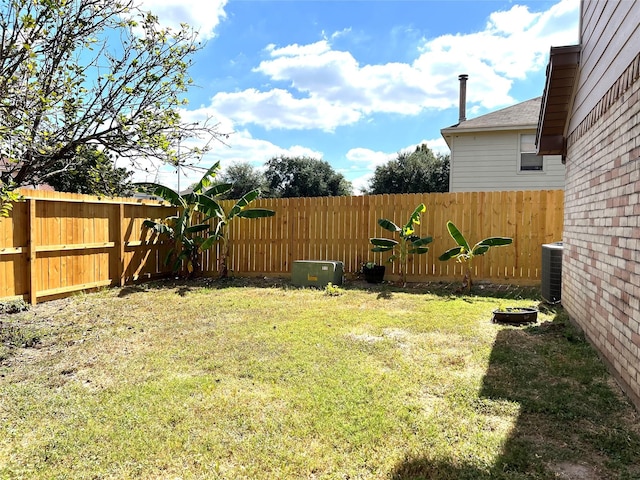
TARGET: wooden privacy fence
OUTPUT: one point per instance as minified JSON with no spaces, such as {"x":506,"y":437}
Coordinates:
{"x":55,"y":243}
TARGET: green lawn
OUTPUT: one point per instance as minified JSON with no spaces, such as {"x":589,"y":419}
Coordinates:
{"x":243,"y":381}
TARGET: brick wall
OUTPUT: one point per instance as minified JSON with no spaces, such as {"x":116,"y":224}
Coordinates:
{"x":601,"y":263}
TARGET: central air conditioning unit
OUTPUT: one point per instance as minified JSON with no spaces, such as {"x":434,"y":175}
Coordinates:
{"x":551,"y":284}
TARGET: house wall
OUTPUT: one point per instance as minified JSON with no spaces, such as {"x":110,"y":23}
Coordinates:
{"x":601,"y":263}
{"x":488,"y":161}
{"x":610,"y":35}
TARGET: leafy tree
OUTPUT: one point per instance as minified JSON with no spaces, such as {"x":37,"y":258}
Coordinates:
{"x":92,"y":173}
{"x":244,"y":177}
{"x":421,"y":171}
{"x":304,"y":177}
{"x":190,"y":238}
{"x":90,"y":72}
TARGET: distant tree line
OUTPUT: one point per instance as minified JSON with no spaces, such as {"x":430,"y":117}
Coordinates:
{"x":420,"y":171}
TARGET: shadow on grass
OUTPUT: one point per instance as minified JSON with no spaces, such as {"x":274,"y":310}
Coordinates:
{"x":573,"y":422}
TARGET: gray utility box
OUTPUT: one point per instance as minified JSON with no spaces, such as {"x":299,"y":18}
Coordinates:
{"x":316,"y":273}
{"x":551,"y":281}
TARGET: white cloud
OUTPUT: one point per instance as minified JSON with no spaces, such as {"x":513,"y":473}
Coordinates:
{"x":278,"y":108}
{"x":363,"y":163}
{"x":513,"y":21}
{"x":239,"y":147}
{"x":203,"y":16}
{"x":438,"y":145}
{"x":327,"y":88}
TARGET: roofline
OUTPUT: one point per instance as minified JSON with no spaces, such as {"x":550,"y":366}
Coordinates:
{"x":502,"y":128}
{"x":557,"y":100}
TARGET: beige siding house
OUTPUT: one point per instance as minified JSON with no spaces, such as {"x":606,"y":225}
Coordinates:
{"x":591,"y":115}
{"x":497,"y":152}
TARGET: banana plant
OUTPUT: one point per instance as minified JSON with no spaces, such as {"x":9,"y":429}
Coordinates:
{"x":408,"y":244}
{"x":190,"y":238}
{"x":464,"y":253}
{"x":239,"y":210}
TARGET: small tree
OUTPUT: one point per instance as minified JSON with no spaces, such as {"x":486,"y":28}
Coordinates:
{"x":463,"y":253}
{"x":408,"y":244}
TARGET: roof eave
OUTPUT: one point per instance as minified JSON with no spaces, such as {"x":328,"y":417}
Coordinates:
{"x":495,"y":128}
{"x":562,"y":72}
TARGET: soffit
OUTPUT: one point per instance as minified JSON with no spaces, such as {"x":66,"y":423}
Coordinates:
{"x":562,"y":72}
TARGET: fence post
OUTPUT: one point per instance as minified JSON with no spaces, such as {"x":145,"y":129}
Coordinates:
{"x":33,"y":285}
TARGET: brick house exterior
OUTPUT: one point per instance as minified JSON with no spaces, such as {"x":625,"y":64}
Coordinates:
{"x":599,"y":136}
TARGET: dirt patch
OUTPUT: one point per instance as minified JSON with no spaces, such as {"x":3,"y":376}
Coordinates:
{"x":364,"y":337}
{"x":573,"y":471}
{"x":395,"y":334}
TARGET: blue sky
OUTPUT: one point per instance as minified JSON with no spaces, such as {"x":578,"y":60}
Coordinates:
{"x":355,"y":82}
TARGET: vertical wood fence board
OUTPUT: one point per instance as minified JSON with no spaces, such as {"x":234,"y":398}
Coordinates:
{"x":495,"y":226}
{"x":518,"y":242}
{"x":14,"y":264}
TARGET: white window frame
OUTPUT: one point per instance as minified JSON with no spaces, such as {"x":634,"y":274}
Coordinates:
{"x":526,"y":146}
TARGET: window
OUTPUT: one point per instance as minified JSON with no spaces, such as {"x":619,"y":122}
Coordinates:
{"x":529,"y":161}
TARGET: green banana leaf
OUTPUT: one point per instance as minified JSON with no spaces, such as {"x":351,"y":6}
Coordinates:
{"x":208,"y":243}
{"x":218,"y":189}
{"x":422,"y":241}
{"x":381,"y":249}
{"x":246,"y":199}
{"x":388,"y":225}
{"x":209,"y":207}
{"x":419,"y":250}
{"x":452,"y":252}
{"x":457,"y":236}
{"x":256,"y":213}
{"x":207,"y":178}
{"x":163,"y":192}
{"x":496,"y":241}
{"x":159,"y":228}
{"x":201,"y":227}
{"x":480,"y":249}
{"x":383,"y":242}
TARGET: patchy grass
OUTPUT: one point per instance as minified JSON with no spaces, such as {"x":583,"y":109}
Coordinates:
{"x":236,"y":381}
